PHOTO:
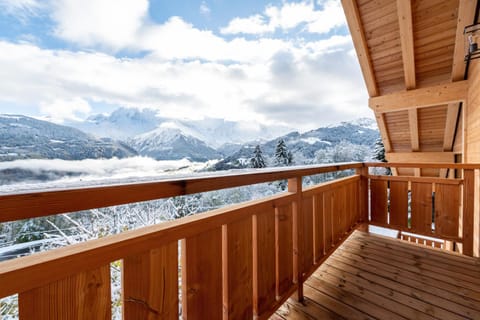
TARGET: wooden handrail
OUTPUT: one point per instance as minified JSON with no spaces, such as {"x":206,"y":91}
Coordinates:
{"x":44,"y":203}
{"x":432,"y":165}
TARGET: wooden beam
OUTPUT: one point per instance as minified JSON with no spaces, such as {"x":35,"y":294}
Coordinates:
{"x":421,"y":157}
{"x":360,"y":42}
{"x":413,"y":123}
{"x":466,"y":14}
{"x":404,"y":11}
{"x":450,"y":124}
{"x":424,"y":97}
{"x":382,"y":126}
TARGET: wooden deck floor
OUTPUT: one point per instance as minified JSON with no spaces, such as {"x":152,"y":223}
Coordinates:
{"x":373,"y":277}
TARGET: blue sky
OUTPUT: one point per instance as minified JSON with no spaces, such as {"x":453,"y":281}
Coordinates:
{"x":289,"y":62}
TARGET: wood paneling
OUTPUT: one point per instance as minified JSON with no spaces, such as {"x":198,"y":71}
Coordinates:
{"x":202,"y":275}
{"x":82,"y":296}
{"x":150,"y":284}
{"x":421,"y":207}
{"x":264,"y":261}
{"x":237,"y":270}
{"x":399,"y":203}
{"x":284,"y":249}
{"x":447,"y":210}
{"x":379,"y":210}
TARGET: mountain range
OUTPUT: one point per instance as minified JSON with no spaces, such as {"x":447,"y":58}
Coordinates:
{"x":129,"y":132}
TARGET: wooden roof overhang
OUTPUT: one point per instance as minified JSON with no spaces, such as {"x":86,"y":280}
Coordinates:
{"x":411,"y":54}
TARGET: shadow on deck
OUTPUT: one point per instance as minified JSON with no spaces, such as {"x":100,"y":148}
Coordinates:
{"x":374,"y":277}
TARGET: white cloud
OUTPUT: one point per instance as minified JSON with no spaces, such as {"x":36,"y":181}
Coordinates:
{"x":289,"y":16}
{"x":60,"y":110}
{"x":252,"y":25}
{"x":107,"y":23}
{"x":204,"y":9}
{"x":21,"y":8}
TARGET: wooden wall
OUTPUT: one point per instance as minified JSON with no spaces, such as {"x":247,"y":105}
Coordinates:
{"x":472,"y":130}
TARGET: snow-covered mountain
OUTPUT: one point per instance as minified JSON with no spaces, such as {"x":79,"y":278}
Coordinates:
{"x":23,"y":137}
{"x":166,"y":143}
{"x":126,"y":123}
{"x":306,"y":146}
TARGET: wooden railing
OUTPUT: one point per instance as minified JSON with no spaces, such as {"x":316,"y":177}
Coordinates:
{"x":238,"y":262}
{"x":434,"y":207}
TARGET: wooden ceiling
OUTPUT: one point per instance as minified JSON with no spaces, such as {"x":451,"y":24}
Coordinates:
{"x":411,"y":53}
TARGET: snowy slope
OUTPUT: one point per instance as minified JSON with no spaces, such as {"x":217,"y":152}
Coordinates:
{"x":23,"y":137}
{"x":167,"y":143}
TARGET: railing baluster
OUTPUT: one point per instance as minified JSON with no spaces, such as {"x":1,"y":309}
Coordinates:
{"x":202,"y":276}
{"x":150,"y":284}
{"x":264,"y":295}
{"x":82,"y":296}
{"x":237,"y":270}
{"x":468,"y":211}
{"x":284,"y":249}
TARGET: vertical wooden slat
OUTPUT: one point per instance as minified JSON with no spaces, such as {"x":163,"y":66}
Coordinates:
{"x":379,"y":201}
{"x":295,"y":185}
{"x":264,"y":293}
{"x":422,"y":207}
{"x":318,"y":228}
{"x":328,"y":219}
{"x":399,"y":203}
{"x":82,"y":296}
{"x":447,"y":209}
{"x":307,"y":232}
{"x":202,"y":276}
{"x":363,"y":194}
{"x":283,"y":249}
{"x":468,"y":211}
{"x":237,"y":270}
{"x":150,"y":284}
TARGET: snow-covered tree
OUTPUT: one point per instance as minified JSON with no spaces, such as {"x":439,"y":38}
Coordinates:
{"x":379,"y":154}
{"x":282,"y":156}
{"x":257,"y":160}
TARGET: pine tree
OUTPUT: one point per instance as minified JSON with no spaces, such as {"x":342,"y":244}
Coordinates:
{"x":257,"y":161}
{"x":282,"y":154}
{"x":379,"y":154}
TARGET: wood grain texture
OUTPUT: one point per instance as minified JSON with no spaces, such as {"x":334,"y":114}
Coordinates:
{"x":264,"y":280}
{"x":447,"y":210}
{"x":422,"y":207}
{"x":44,"y":203}
{"x":150,"y":284}
{"x":283,"y":249}
{"x":379,"y":210}
{"x":237,"y":270}
{"x":468,"y":212}
{"x":404,"y":9}
{"x":360,"y":43}
{"x":82,"y":296}
{"x":423,"y":97}
{"x":307,"y":231}
{"x":399,"y":203}
{"x":202,"y":276}
{"x":318,"y":227}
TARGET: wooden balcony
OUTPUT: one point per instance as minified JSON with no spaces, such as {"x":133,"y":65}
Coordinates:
{"x":246,"y":260}
{"x":374,"y":277}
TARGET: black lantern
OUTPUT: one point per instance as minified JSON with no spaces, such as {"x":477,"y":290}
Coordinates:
{"x":472,"y":36}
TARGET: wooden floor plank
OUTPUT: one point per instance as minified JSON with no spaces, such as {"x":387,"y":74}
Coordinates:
{"x":436,"y":273}
{"x":372,"y":277}
{"x":399,"y":274}
{"x":442,"y":258}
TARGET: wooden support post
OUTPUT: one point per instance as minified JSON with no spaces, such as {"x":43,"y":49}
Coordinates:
{"x":468,"y":211}
{"x":363,"y":195}
{"x":295,"y":185}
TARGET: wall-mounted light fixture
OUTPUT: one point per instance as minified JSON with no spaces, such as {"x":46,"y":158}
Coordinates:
{"x":472,"y":38}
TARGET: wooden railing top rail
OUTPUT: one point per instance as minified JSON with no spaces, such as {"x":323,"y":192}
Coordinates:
{"x":467,"y":166}
{"x":43,"y":203}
